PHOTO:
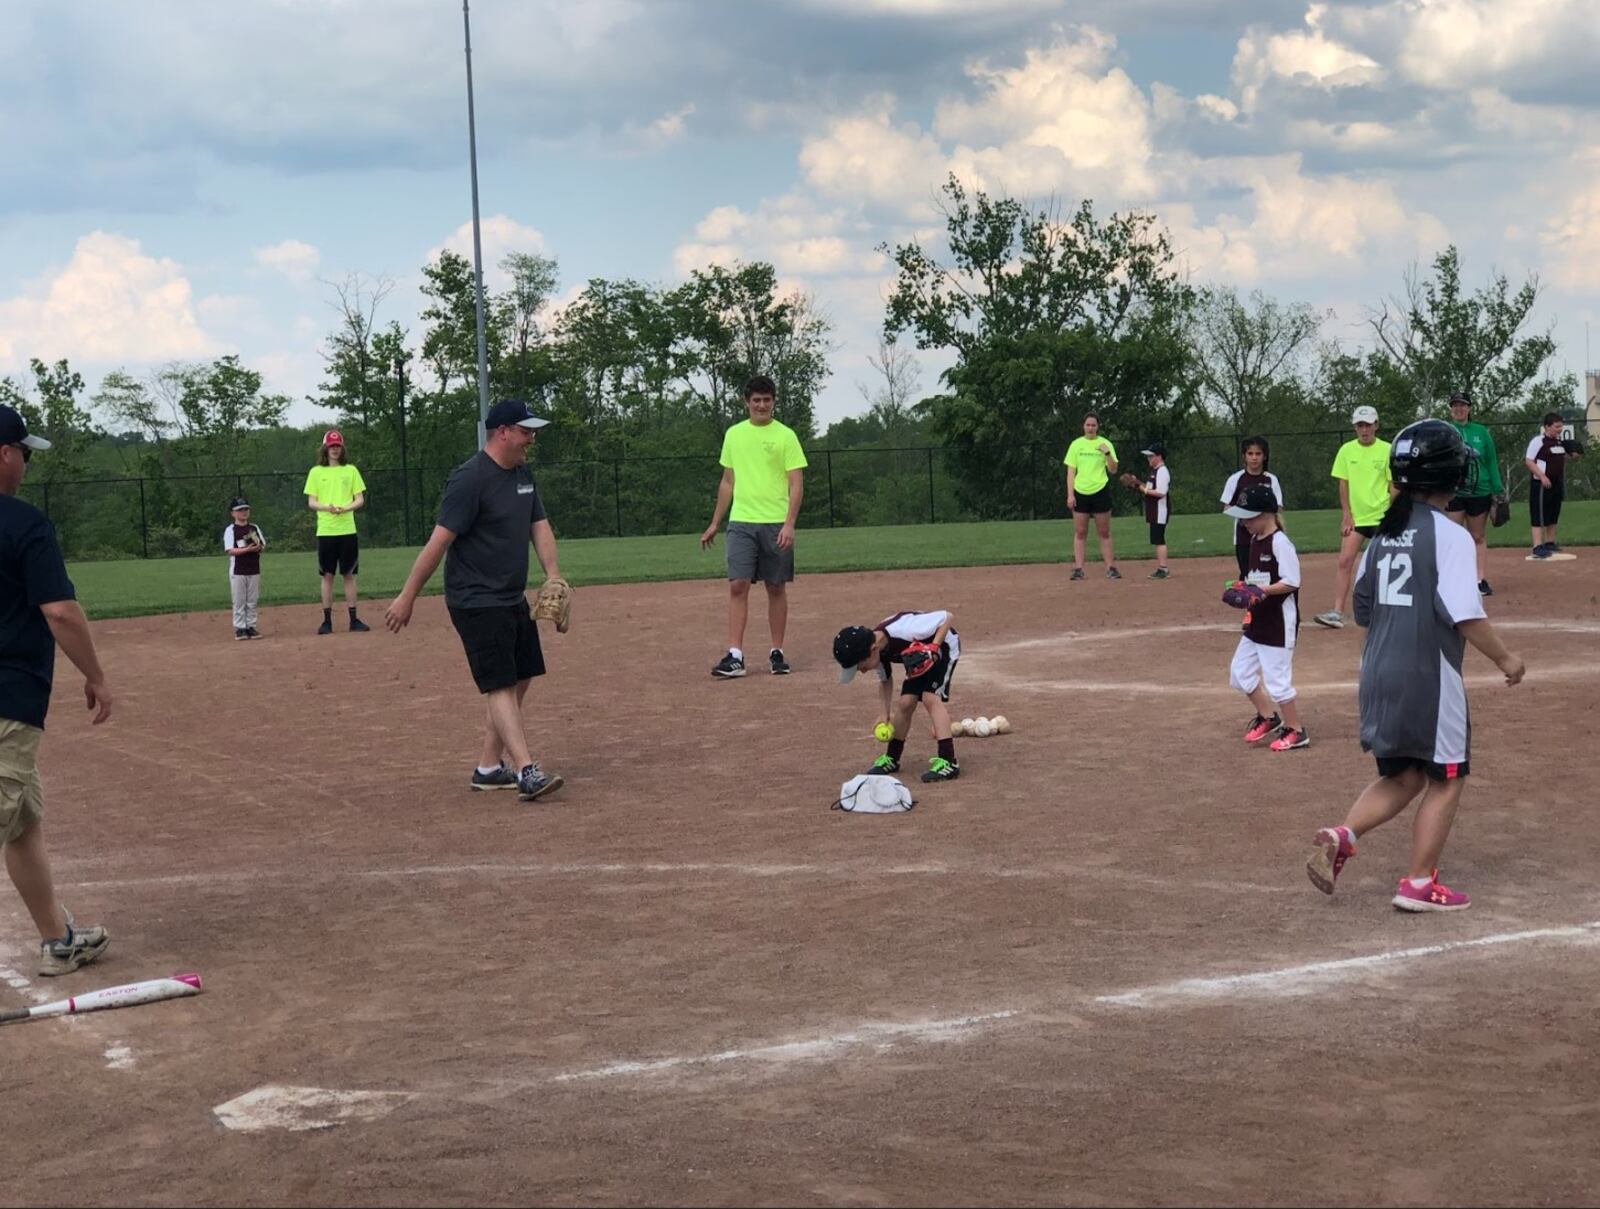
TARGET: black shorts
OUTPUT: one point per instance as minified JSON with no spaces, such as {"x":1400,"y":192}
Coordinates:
{"x":1365,"y":530}
{"x":1158,"y":534}
{"x":1472,"y":505}
{"x":1393,"y":766}
{"x":1544,"y":503}
{"x":502,"y":644}
{"x":1100,"y":501}
{"x":935,"y":680}
{"x":340,"y":552}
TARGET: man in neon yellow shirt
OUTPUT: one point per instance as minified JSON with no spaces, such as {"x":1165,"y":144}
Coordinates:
{"x":1362,"y":468}
{"x":1091,"y":461}
{"x":763,"y":481}
{"x":334,"y":490}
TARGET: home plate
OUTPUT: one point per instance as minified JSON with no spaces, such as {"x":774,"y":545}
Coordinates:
{"x":1560,"y":556}
{"x":302,"y":1108}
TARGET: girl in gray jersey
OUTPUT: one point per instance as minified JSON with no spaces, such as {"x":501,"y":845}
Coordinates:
{"x":1417,"y":594}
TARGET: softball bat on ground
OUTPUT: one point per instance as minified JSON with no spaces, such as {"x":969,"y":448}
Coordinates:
{"x":127,"y":995}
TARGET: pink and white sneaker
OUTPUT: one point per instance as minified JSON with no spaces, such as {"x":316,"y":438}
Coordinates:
{"x":1333,"y":848}
{"x":1290,"y":740}
{"x":1435,"y":896}
{"x":1261,"y":728}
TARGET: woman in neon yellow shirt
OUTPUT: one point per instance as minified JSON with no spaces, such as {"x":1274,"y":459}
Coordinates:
{"x":1091,"y":461}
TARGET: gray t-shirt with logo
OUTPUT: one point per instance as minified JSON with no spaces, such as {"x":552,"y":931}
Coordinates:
{"x":490,"y":510}
{"x":1412,"y":591}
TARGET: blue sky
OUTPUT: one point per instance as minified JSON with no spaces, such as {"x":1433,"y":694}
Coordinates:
{"x":182,"y":180}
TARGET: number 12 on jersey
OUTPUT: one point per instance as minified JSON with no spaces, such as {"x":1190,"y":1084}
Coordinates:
{"x":1394,"y":572}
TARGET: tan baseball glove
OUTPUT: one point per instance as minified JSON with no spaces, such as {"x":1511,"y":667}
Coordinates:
{"x":554,"y":603}
{"x":1129,"y":480}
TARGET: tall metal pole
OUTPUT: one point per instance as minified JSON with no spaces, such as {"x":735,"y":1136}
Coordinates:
{"x":477,"y":238}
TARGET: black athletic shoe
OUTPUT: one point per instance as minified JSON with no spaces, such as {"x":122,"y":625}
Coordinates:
{"x":533,"y":783}
{"x":940,"y":769}
{"x":885,"y":765}
{"x":500,"y":778}
{"x":1542,"y":552}
{"x":780,"y":665}
{"x":240,"y":635}
{"x":1077,"y":573}
{"x":1484,"y":589}
{"x":252,"y":632}
{"x":325,"y":628}
{"x":729,"y":668}
{"x":1113,"y":573}
{"x":357,"y":626}
{"x":1161,"y":573}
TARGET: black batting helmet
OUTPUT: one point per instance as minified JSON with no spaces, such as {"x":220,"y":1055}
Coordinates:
{"x":1430,"y":455}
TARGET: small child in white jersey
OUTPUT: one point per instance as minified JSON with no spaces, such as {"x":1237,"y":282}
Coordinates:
{"x":243,"y":543}
{"x":926,"y":642}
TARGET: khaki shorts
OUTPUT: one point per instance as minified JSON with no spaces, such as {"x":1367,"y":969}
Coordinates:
{"x":21,"y":795}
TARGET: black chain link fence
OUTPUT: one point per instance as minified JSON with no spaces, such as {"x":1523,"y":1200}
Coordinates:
{"x":177,"y":516}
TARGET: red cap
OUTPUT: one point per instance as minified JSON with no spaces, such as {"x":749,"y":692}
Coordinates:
{"x":333,"y":437}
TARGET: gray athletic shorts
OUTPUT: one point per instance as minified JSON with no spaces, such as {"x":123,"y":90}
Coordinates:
{"x":753,"y":553}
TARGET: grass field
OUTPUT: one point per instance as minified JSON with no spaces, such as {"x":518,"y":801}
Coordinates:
{"x":136,"y":587}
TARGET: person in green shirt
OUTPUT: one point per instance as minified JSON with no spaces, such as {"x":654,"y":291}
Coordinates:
{"x":763,"y":481}
{"x":334,"y":490}
{"x":1362,"y":468}
{"x":1474,"y":502}
{"x":1091,"y":461}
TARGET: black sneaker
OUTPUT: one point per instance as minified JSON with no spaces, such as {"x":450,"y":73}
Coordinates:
{"x":252,"y":632}
{"x":500,"y":778}
{"x":1077,"y":573}
{"x":729,"y":668}
{"x":1113,"y":573}
{"x":1541,"y":552}
{"x":357,"y":626}
{"x":940,"y":769}
{"x":325,"y":628}
{"x":885,"y":765}
{"x":1161,"y":573}
{"x":240,"y":635}
{"x":531,"y":783}
{"x":780,"y":665}
{"x":1484,"y":589}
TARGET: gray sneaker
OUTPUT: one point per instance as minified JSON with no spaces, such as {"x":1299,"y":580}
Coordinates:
{"x":500,"y":778}
{"x":532,"y":783}
{"x":1333,"y":619}
{"x":1113,"y":573}
{"x":77,"y":948}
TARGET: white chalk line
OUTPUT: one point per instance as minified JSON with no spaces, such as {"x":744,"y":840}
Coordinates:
{"x":119,"y":1055}
{"x":647,"y":869}
{"x":985,"y":675}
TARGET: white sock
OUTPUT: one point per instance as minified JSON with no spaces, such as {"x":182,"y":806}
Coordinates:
{"x":1420,"y":883}
{"x":489,"y":769}
{"x":736,"y":652}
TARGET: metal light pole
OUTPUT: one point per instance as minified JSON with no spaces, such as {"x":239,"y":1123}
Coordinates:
{"x":477,"y":238}
{"x":405,"y":477}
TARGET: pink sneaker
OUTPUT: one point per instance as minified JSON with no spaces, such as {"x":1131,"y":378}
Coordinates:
{"x":1333,"y":849}
{"x":1261,"y":728}
{"x":1288,"y":740}
{"x":1435,"y":896}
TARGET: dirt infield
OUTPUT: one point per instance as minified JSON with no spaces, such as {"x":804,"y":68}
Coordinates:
{"x":1091,"y":970}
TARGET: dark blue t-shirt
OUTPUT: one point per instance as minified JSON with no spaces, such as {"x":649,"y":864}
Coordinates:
{"x":491,"y":510}
{"x":32,"y":573}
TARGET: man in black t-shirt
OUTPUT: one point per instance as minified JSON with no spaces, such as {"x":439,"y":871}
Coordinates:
{"x":38,"y":609}
{"x":489,"y":513}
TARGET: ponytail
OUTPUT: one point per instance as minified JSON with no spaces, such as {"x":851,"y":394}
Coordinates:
{"x":1398,"y":516}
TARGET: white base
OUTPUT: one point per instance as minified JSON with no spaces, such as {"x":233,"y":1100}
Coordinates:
{"x":1560,"y":556}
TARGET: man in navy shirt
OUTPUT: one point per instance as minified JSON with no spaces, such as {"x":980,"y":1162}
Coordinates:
{"x":38,"y":609}
{"x":489,"y":514}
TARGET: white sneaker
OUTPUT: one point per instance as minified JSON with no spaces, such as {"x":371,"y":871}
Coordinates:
{"x":1333,"y":619}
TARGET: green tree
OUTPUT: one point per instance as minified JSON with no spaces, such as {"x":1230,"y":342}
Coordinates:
{"x":1248,"y":353}
{"x":1439,"y":338}
{"x":50,"y":407}
{"x":1048,"y":319}
{"x":529,"y":369}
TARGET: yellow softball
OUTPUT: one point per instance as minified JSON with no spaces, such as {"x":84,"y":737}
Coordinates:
{"x":883,"y":732}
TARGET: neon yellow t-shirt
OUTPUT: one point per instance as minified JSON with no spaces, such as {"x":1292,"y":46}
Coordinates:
{"x":1084,"y":453}
{"x":1366,"y":469}
{"x":335,"y":485}
{"x":761,"y":457}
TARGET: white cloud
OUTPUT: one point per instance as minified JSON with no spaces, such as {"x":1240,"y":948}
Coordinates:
{"x":867,"y":155}
{"x":110,"y":303}
{"x":294,"y":258}
{"x":1454,"y":43}
{"x":500,"y":234}
{"x":1305,"y":57}
{"x":1571,"y":239}
{"x":797,"y":237}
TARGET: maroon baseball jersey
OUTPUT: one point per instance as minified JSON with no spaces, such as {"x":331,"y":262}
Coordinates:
{"x":239,"y":535}
{"x":1275,"y":621}
{"x":1550,"y":455}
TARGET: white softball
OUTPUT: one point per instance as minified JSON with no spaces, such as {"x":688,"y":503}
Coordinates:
{"x":957,"y":728}
{"x":966,"y":726}
{"x":982,"y":728}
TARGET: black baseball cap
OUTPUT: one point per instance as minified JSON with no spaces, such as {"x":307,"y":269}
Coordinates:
{"x":1460,"y":396}
{"x":1257,"y":499}
{"x":850,"y":646}
{"x":1156,"y":448}
{"x":14,"y":430}
{"x":238,"y":502}
{"x":511,"y":411}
